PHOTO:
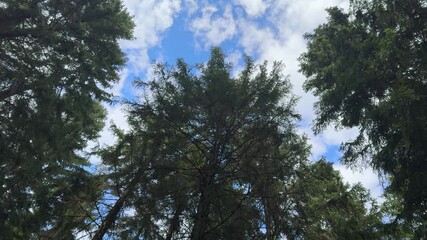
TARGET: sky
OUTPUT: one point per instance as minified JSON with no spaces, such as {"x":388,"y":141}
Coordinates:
{"x":269,"y":30}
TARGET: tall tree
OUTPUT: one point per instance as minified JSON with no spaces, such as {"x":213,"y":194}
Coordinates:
{"x":329,"y":209}
{"x":215,"y":157}
{"x":55,"y":59}
{"x":368,"y":67}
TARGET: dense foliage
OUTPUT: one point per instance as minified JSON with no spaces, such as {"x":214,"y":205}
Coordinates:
{"x":208,"y":155}
{"x":369,"y":69}
{"x":215,"y":157}
{"x":55,"y":59}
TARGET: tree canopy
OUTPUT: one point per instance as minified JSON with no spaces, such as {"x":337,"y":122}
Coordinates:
{"x":209,"y":156}
{"x":56,"y":59}
{"x":368,"y":67}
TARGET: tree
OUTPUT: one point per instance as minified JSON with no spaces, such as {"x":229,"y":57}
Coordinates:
{"x":56,"y":59}
{"x":209,"y":156}
{"x":224,"y":147}
{"x":368,"y":68}
{"x":329,"y":209}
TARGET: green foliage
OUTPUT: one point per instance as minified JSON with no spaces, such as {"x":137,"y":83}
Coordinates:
{"x":368,"y":68}
{"x":55,"y":58}
{"x":217,"y":157}
{"x":329,"y":209}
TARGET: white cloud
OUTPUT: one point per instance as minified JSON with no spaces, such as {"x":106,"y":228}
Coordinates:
{"x":332,"y":136}
{"x":253,"y":7}
{"x":318,"y":148}
{"x":115,"y":115}
{"x":235,"y":59}
{"x":116,"y":88}
{"x":367,"y":177}
{"x":190,"y":6}
{"x":255,"y":39}
{"x":300,"y":16}
{"x":138,"y":60}
{"x":329,"y":137}
{"x":152,"y":18}
{"x":213,"y":29}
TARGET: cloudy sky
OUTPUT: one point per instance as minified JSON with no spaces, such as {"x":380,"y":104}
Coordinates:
{"x":269,"y":30}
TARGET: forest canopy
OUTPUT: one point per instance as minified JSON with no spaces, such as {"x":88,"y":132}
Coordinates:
{"x":213,"y":156}
{"x":213,"y":151}
{"x":369,"y":67}
{"x":56,"y":58}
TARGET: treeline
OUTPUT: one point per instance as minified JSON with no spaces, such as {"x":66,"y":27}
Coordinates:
{"x":209,"y":156}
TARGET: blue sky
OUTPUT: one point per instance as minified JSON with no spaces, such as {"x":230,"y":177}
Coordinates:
{"x":269,"y":30}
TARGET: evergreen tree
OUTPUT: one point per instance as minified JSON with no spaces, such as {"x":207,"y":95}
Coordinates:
{"x":56,"y":57}
{"x":369,"y":69}
{"x":329,"y":209}
{"x":213,"y":157}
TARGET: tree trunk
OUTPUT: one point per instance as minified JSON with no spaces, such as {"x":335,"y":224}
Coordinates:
{"x":201,"y":219}
{"x":268,"y":224}
{"x":114,"y":211}
{"x":174,"y":225}
{"x":207,"y":183}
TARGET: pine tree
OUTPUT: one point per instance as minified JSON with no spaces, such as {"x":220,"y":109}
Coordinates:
{"x":56,"y":59}
{"x":210,"y":157}
{"x":368,"y":68}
